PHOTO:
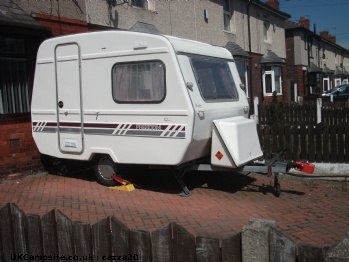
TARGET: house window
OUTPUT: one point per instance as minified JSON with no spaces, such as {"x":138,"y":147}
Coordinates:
{"x":242,"y":70}
{"x":227,"y":15}
{"x":140,"y":3}
{"x":314,"y":83}
{"x":326,"y":83}
{"x":140,"y":82}
{"x":338,"y":82}
{"x":272,"y":80}
{"x":14,"y":86}
{"x":266,"y":26}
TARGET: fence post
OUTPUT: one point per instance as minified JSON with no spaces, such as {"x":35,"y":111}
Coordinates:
{"x":318,"y":109}
{"x":255,"y":106}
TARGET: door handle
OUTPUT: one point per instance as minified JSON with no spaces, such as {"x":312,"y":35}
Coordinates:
{"x":201,"y":114}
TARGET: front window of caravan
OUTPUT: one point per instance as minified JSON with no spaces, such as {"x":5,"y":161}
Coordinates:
{"x":139,"y":82}
{"x":214,"y":78}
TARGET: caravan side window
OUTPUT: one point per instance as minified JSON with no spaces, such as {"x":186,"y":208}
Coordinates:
{"x":139,"y":82}
{"x":214,"y":79}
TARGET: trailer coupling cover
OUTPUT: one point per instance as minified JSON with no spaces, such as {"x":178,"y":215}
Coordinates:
{"x":304,"y":167}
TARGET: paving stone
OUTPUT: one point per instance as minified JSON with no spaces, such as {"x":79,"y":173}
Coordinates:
{"x":316,"y":216}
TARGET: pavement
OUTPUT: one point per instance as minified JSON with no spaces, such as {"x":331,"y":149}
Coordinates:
{"x":314,"y":212}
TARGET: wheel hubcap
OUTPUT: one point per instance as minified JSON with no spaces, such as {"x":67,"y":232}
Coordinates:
{"x":106,"y":168}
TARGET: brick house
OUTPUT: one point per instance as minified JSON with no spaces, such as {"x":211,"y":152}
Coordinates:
{"x":251,"y":30}
{"x":20,"y":38}
{"x":315,"y":63}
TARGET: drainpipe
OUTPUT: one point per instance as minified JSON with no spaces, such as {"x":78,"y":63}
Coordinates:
{"x":249,"y":46}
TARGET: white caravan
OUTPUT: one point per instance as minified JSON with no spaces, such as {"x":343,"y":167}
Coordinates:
{"x":119,"y":97}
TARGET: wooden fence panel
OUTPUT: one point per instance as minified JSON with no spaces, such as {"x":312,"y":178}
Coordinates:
{"x":346,"y":133}
{"x":207,"y":249}
{"x":288,"y":140}
{"x":320,"y":143}
{"x":303,"y":142}
{"x":64,"y":234}
{"x":161,"y":244}
{"x":281,"y":138}
{"x":281,"y":248}
{"x":311,"y":143}
{"x":120,"y":237}
{"x":340,"y":144}
{"x":308,"y":253}
{"x":19,"y":228}
{"x":82,"y":239}
{"x":231,"y":248}
{"x":2,"y":258}
{"x":333,"y":144}
{"x":140,"y":245}
{"x":8,"y":246}
{"x":295,"y":151}
{"x":101,"y":240}
{"x":319,"y":139}
{"x":178,"y":243}
{"x":49,"y":233}
{"x":325,"y":148}
{"x":266,"y":142}
{"x":183,"y":244}
{"x":274,"y":139}
{"x":34,"y":235}
{"x":260,"y":135}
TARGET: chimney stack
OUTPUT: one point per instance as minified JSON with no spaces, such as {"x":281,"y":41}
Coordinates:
{"x":274,"y":4}
{"x":326,"y":35}
{"x":304,"y":22}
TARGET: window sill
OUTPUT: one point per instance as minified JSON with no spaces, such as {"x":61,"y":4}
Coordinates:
{"x":18,"y":118}
{"x":271,"y":94}
{"x":229,"y":32}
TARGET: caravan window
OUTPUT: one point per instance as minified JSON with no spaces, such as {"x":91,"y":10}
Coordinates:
{"x":214,"y":78}
{"x":139,"y":82}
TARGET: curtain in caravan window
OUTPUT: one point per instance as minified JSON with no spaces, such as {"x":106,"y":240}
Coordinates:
{"x":14,"y":88}
{"x":139,"y":82}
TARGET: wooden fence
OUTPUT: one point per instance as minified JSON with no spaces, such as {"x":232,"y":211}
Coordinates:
{"x":313,"y":131}
{"x":315,"y":143}
{"x":54,"y":237}
{"x":307,"y":112}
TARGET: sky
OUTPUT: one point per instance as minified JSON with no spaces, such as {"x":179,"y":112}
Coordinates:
{"x":330,"y":15}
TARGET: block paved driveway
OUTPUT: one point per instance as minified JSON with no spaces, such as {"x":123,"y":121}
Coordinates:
{"x":221,"y":204}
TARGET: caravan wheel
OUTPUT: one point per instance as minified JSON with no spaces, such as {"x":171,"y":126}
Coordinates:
{"x":104,"y":169}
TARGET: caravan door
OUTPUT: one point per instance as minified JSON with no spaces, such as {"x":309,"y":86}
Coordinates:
{"x":68,"y":95}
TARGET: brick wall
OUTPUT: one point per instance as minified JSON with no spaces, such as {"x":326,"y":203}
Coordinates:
{"x":61,"y":25}
{"x":18,"y":151}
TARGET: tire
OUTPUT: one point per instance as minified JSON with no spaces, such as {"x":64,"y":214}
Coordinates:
{"x":277,"y":190}
{"x":104,"y":169}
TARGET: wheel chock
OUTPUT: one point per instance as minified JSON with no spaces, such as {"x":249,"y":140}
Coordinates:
{"x":125,"y":185}
{"x":127,"y":188}
{"x":305,"y":167}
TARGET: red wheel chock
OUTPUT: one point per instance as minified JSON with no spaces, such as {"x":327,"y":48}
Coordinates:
{"x":304,"y":167}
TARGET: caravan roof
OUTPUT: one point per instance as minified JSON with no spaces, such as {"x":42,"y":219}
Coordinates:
{"x":110,"y":38}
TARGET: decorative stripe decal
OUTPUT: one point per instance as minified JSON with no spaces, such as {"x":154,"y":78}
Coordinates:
{"x":148,"y":130}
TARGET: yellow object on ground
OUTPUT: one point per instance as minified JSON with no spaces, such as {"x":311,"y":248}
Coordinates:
{"x":128,"y":187}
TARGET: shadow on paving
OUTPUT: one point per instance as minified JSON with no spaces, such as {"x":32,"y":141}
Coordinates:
{"x":162,"y":180}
